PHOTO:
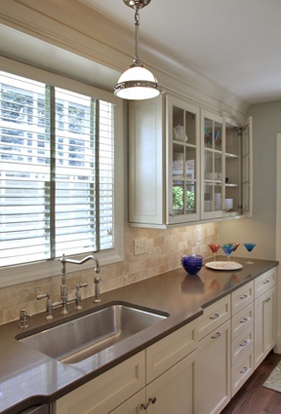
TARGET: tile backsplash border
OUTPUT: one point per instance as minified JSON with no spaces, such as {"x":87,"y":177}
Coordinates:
{"x":165,"y":248}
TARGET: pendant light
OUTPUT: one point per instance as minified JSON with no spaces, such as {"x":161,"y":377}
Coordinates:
{"x":137,"y":83}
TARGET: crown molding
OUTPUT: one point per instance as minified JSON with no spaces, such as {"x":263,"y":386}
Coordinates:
{"x":72,"y":26}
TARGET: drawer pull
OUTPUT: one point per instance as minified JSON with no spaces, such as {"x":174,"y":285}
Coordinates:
{"x":243,"y":297}
{"x":152,"y":400}
{"x":266,"y":282}
{"x":244,"y":320}
{"x":215,"y":316}
{"x":267,"y":300}
{"x":244,"y":343}
{"x":143,"y":407}
{"x":245,"y":369}
{"x":216,"y":336}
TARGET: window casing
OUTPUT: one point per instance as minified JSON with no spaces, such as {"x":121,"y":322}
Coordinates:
{"x":60,"y":152}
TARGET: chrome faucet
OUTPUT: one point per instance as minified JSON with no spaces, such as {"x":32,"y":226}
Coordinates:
{"x":64,"y":291}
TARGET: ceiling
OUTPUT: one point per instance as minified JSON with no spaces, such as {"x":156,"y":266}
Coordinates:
{"x":236,"y":43}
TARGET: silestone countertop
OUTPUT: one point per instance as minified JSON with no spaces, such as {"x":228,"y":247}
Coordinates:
{"x":27,"y":377}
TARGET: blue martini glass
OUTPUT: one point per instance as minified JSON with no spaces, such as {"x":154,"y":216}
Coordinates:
{"x":228,"y":249}
{"x":249,"y":247}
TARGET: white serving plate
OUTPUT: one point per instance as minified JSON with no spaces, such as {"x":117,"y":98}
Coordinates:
{"x":223,"y":265}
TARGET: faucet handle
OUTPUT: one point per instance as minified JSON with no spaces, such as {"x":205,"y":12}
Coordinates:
{"x":78,"y":294}
{"x":23,"y":318}
{"x":97,"y":281}
{"x":49,"y":305}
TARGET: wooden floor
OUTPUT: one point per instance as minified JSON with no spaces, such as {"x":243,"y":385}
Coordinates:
{"x":253,"y":398}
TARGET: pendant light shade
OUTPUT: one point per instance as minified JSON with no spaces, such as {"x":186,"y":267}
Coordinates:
{"x":137,"y":83}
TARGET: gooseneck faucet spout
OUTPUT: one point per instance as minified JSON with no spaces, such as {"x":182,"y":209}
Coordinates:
{"x":64,"y":291}
{"x":65,"y":260}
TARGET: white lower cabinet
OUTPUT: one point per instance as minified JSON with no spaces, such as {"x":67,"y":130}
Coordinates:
{"x":158,"y":380}
{"x":194,"y":370}
{"x":213,"y":372}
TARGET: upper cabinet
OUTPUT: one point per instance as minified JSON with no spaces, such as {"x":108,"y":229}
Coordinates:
{"x":185,"y":164}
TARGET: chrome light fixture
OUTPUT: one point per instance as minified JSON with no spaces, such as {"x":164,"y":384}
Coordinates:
{"x":137,"y":83}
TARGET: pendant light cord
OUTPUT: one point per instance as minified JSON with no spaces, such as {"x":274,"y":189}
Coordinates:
{"x":137,"y":60}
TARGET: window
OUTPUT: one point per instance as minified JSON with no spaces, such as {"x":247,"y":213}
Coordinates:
{"x":57,"y":172}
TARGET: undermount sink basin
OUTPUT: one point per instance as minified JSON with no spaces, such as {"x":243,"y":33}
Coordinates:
{"x":73,"y":341}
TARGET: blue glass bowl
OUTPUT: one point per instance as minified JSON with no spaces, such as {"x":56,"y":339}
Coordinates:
{"x":192,"y":263}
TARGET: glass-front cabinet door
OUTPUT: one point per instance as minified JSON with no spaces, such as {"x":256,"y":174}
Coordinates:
{"x":232,"y":176}
{"x":212,"y":165}
{"x":183,"y":158}
{"x":247,"y":168}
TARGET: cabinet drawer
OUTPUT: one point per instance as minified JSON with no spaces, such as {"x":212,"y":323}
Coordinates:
{"x":241,"y":371}
{"x":104,"y":393}
{"x":265,"y":282}
{"x":242,"y":297}
{"x":241,"y":344}
{"x":242,"y":320}
{"x":214,"y":315}
{"x":169,"y":350}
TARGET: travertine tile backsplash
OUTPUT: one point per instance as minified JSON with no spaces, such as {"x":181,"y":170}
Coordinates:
{"x":165,"y":248}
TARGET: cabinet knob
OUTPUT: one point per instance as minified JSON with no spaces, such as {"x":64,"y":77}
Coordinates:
{"x":143,"y":407}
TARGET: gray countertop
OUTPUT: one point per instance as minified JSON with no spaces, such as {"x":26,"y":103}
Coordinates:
{"x":27,"y":377}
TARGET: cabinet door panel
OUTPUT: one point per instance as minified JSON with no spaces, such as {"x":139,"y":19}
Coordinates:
{"x":212,"y":371}
{"x":146,"y":169}
{"x":173,"y":391}
{"x":264,"y":325}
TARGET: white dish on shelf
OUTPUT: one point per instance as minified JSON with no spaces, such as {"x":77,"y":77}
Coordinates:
{"x":223,"y":265}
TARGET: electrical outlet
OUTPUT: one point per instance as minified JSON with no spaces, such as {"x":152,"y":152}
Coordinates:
{"x":140,"y":246}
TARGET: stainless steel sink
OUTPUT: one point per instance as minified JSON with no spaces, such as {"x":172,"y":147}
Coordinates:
{"x":79,"y":338}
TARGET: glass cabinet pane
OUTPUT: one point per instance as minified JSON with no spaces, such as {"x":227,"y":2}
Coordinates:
{"x":213,"y":165}
{"x":183,"y":197}
{"x":232,"y":168}
{"x":190,"y":127}
{"x":184,"y":147}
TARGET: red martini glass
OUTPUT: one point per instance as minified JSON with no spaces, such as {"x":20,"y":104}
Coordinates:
{"x":214,"y":248}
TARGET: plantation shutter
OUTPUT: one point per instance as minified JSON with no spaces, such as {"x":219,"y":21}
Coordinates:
{"x":57,"y":172}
